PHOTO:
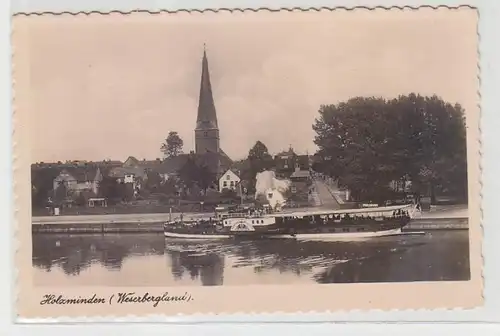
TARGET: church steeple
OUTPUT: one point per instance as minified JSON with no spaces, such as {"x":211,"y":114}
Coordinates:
{"x":207,"y":129}
{"x":207,"y":115}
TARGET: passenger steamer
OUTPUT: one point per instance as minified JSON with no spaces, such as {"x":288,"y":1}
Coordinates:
{"x":302,"y":225}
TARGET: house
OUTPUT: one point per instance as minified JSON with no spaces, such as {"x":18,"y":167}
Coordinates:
{"x":303,"y":162}
{"x":300,"y":175}
{"x":79,"y":178}
{"x":229,"y":180}
{"x":401,"y":185}
{"x":287,"y":162}
{"x":171,"y":166}
{"x":150,"y":165}
{"x":133,"y":171}
{"x":131,"y":162}
{"x":127,"y":174}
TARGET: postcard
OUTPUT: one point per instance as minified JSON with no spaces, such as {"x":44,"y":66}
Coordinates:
{"x":246,"y":161}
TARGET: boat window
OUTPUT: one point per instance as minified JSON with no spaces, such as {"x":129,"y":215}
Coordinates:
{"x":345,"y":230}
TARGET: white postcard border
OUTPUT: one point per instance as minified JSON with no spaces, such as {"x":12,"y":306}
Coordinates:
{"x":484,"y":193}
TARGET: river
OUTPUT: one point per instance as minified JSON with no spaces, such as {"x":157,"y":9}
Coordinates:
{"x":150,"y":260}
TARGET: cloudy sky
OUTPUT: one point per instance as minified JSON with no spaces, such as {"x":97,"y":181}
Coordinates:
{"x":110,"y":86}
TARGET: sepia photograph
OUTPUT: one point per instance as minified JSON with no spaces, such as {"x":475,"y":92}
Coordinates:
{"x":231,"y":149}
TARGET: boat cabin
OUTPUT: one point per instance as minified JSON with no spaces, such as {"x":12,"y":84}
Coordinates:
{"x":253,"y":221}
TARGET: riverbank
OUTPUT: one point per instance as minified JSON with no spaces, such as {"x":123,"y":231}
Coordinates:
{"x":116,"y":218}
{"x":157,"y":227}
{"x":439,"y":218}
{"x":124,"y":227}
{"x":437,"y":224}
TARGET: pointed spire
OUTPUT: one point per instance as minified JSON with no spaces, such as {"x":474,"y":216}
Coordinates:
{"x":207,"y":116}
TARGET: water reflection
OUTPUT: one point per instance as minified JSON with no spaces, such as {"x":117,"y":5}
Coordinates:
{"x":433,"y":257}
{"x":75,"y":253}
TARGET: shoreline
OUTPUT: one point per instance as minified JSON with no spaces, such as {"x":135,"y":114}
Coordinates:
{"x":153,"y":223}
{"x":438,"y":213}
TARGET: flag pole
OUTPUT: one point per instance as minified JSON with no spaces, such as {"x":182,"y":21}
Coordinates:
{"x":241,"y":194}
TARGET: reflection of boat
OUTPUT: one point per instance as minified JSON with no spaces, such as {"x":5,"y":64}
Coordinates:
{"x":310,"y":224}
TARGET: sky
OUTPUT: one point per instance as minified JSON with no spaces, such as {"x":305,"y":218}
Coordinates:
{"x":111,"y":86}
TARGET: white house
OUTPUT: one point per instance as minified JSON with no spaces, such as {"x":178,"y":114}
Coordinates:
{"x":229,"y":180}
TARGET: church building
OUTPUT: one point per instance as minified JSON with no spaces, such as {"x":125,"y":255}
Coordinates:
{"x":207,"y":138}
{"x":206,"y":133}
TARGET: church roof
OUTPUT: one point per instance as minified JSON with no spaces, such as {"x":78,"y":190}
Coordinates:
{"x":207,"y":116}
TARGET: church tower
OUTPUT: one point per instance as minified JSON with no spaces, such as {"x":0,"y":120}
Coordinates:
{"x":207,"y":129}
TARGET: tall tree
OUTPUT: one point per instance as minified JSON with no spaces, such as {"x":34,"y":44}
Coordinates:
{"x":61,"y":192}
{"x":259,"y":151}
{"x":206,"y":178}
{"x":259,"y":158}
{"x":112,"y":190}
{"x":42,"y":179}
{"x":196,"y":174}
{"x":189,"y":172}
{"x":153,"y":181}
{"x":367,"y":142}
{"x":173,"y":145}
{"x":257,"y":161}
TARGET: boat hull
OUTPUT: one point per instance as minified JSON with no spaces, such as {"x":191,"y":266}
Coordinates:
{"x":326,"y":236}
{"x":340,"y":236}
{"x":194,"y":236}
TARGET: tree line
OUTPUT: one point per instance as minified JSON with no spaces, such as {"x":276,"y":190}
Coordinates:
{"x":365,"y":143}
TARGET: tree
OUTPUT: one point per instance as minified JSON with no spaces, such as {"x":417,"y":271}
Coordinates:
{"x":365,"y":143}
{"x":168,"y":187}
{"x":80,"y":200}
{"x":61,"y":192}
{"x":206,"y":178}
{"x":153,"y":180}
{"x":257,"y":161}
{"x":42,"y":179}
{"x":196,"y":174}
{"x":188,"y":173}
{"x":173,"y":145}
{"x":110,"y":189}
{"x":259,"y":151}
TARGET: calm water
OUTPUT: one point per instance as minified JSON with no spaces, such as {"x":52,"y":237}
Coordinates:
{"x":150,"y":260}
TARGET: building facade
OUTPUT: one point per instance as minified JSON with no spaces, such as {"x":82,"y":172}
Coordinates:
{"x":229,"y":180}
{"x":287,"y":162}
{"x":79,"y":179}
